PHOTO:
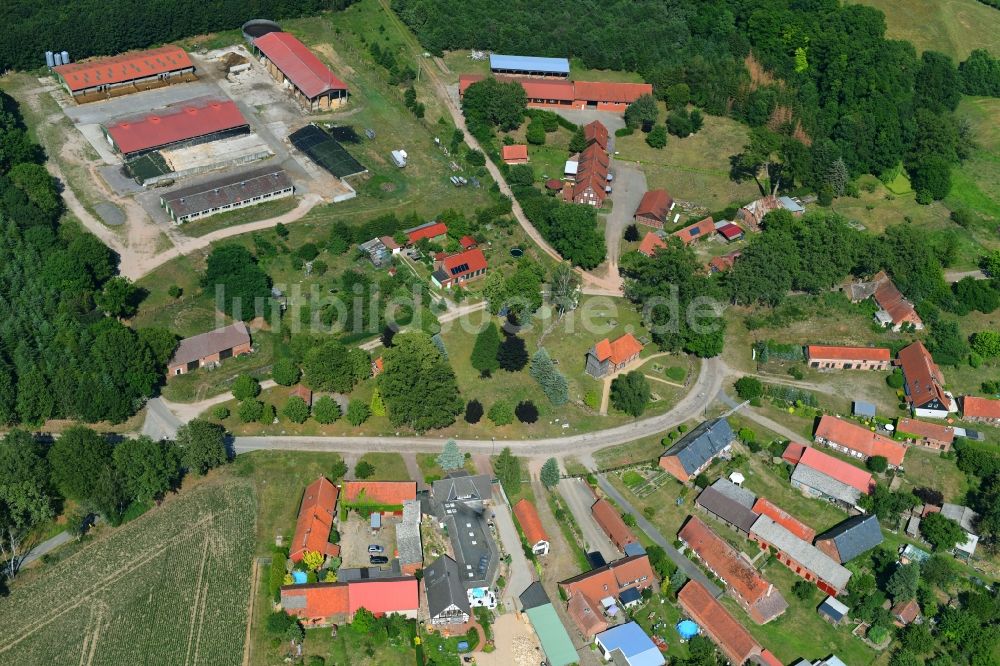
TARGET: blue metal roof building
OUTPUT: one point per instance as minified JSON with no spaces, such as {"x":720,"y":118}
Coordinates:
{"x":631,"y":643}
{"x":512,"y":64}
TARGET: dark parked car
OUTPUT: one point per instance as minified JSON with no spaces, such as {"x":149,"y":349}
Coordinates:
{"x":378,"y":559}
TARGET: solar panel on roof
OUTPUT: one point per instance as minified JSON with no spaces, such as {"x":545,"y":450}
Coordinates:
{"x":461,"y":268}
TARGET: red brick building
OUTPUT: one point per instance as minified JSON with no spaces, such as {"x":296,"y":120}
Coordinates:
{"x":608,"y":581}
{"x":611,"y":522}
{"x":459,"y":268}
{"x":694,"y":232}
{"x":210,"y":348}
{"x":929,"y":435}
{"x":733,"y":640}
{"x":654,"y":209}
{"x":316,"y":517}
{"x":858,"y":441}
{"x":515,"y":154}
{"x":848,"y":358}
{"x":981,"y":409}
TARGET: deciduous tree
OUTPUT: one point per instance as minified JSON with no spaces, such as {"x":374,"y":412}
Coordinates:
{"x":326,"y":410}
{"x":295,"y":410}
{"x":630,"y":393}
{"x":146,"y":468}
{"x":942,"y":533}
{"x":418,"y":386}
{"x":286,"y":372}
{"x":202,"y":445}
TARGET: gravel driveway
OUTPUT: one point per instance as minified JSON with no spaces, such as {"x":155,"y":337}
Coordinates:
{"x":579,"y":498}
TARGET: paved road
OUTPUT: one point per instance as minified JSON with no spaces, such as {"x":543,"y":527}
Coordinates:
{"x":46,"y":547}
{"x":709,"y":382}
{"x":686,"y":565}
{"x":629,"y":186}
{"x":520,"y":574}
{"x":579,"y":499}
{"x":160,"y":422}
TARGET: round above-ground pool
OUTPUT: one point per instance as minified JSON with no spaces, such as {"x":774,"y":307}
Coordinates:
{"x":299,"y":577}
{"x":687,"y":629}
{"x":516,"y":252}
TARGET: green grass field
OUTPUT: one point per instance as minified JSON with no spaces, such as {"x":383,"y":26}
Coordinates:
{"x":174,"y":583}
{"x":953,"y":27}
{"x":388,"y":466}
{"x":695,"y":168}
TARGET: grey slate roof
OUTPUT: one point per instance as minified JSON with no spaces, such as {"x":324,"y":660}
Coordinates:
{"x":727,"y":509}
{"x":408,"y":534}
{"x":233,"y":189}
{"x":802,"y":551}
{"x":462,"y":486}
{"x":534,"y":596}
{"x":634,"y":548}
{"x":827,"y":485}
{"x":735,"y":493}
{"x":854,"y":536}
{"x":443,"y":586}
{"x":701,"y":444}
{"x":962,"y":515}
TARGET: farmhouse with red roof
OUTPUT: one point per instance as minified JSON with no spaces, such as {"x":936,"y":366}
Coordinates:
{"x":384,"y":493}
{"x":560,"y":93}
{"x":697,"y":231}
{"x":924,"y":385}
{"x":610,"y":580}
{"x":651,"y":242}
{"x":858,"y":441}
{"x":981,"y":409}
{"x":821,"y":475}
{"x":531,"y":526}
{"x":654,"y":209}
{"x":191,"y":123}
{"x":922,"y":433}
{"x":316,"y":517}
{"x":320,"y":604}
{"x":731,"y":232}
{"x":432,"y":231}
{"x":459,"y":268}
{"x":596,"y":132}
{"x":611,"y":522}
{"x":515,"y":154}
{"x":723,"y":629}
{"x":757,"y":597}
{"x":607,"y":357}
{"x":125,"y":73}
{"x":291,"y":63}
{"x":766,"y":508}
{"x":848,"y":358}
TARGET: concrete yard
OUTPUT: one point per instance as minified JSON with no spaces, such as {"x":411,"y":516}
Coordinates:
{"x":355,"y":537}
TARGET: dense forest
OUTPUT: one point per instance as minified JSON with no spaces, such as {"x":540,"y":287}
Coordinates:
{"x":828,"y":95}
{"x":106,"y":27}
{"x":61,"y":356}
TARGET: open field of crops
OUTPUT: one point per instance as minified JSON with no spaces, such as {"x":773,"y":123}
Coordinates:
{"x":172,"y":587}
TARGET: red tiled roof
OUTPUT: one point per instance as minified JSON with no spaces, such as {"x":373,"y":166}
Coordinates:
{"x":655,"y":204}
{"x":892,"y":301}
{"x":618,"y":350}
{"x":837,"y":469}
{"x":849,"y":353}
{"x":303,"y":392}
{"x":730,"y":231}
{"x":379,"y":492}
{"x":696,"y":231}
{"x":981,"y":408}
{"x":933,"y":431}
{"x":553,"y":184}
{"x":316,"y":515}
{"x":906,"y":611}
{"x":595,"y":131}
{"x":740,"y":577}
{"x":124,"y":67}
{"x":298,"y":63}
{"x":185,"y":123}
{"x":543,"y":89}
{"x":317,"y":601}
{"x":390,"y":243}
{"x":611,"y":522}
{"x":379,"y":365}
{"x":790,"y":523}
{"x":650,"y":243}
{"x":725,"y":262}
{"x":769,"y":659}
{"x":427,"y":231}
{"x":474,"y":259}
{"x":735,"y":642}
{"x":518,"y":151}
{"x":610,"y":579}
{"x":467,"y":242}
{"x":793,"y":452}
{"x":385,"y":595}
{"x":923,"y":377}
{"x":587,"y":616}
{"x":531,"y":524}
{"x":606,"y":91}
{"x":860,"y":439}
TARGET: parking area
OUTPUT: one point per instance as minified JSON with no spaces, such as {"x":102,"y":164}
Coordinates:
{"x":356,"y":535}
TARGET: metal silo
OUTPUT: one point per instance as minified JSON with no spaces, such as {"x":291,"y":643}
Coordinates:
{"x":65,"y":58}
{"x":58,"y":58}
{"x":49,"y":59}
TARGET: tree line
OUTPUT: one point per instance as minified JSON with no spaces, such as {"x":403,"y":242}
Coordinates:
{"x":106,"y":27}
{"x":63,"y":351}
{"x":830,"y":95}
{"x":87,"y":471}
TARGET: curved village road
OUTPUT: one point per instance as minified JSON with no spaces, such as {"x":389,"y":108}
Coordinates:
{"x":707,"y":386}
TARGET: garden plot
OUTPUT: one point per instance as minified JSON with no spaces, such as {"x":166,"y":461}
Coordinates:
{"x":174,"y":583}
